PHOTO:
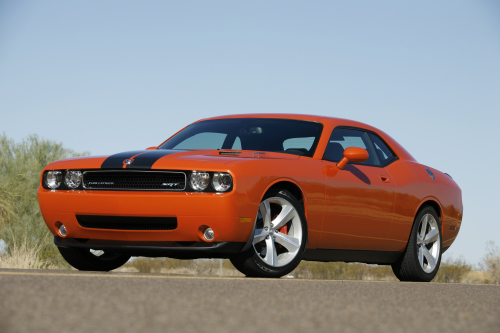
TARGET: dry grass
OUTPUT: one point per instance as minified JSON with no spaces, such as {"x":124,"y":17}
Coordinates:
{"x":342,"y":271}
{"x":476,"y":277}
{"x":492,"y":267}
{"x":22,"y":256}
{"x":451,"y":270}
{"x":306,"y":270}
{"x":200,"y":267}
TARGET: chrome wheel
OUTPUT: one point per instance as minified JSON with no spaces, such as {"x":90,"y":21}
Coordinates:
{"x":278,"y":232}
{"x":428,"y":243}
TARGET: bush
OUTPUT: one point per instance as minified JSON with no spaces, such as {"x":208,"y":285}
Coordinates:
{"x":20,"y":218}
{"x":452,"y":271}
{"x":491,"y":263}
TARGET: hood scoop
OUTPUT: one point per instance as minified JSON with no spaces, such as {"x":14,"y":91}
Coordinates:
{"x":234,"y":153}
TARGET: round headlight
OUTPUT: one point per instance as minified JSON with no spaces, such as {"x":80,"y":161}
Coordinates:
{"x":222,"y":181}
{"x":73,"y":179}
{"x":199,"y":180}
{"x":53,"y":179}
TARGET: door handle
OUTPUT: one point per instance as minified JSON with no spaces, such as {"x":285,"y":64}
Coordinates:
{"x":385,"y":179}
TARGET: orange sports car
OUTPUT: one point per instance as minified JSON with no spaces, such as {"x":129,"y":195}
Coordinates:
{"x":263,"y":190}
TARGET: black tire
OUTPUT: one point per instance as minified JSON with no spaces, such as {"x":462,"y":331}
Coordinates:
{"x":84,"y":260}
{"x":408,"y":267}
{"x":250,"y":264}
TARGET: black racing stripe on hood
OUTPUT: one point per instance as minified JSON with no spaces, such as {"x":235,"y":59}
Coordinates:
{"x":116,"y":161}
{"x":146,"y":161}
{"x":142,"y":159}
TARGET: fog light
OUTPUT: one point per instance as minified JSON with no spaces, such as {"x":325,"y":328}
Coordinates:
{"x":209,"y":234}
{"x":62,"y":230}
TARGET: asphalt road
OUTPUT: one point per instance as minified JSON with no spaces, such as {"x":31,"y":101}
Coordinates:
{"x":51,"y":301}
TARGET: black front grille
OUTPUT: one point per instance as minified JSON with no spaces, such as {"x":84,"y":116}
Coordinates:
{"x":134,"y":180}
{"x":127,"y":222}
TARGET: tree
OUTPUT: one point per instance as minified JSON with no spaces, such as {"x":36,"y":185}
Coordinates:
{"x":21,"y":165}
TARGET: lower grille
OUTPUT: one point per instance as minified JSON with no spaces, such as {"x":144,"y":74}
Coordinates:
{"x":134,"y":180}
{"x":127,"y":222}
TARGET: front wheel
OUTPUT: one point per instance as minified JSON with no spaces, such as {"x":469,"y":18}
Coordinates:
{"x":86,"y":260}
{"x":422,"y":257}
{"x":279,"y":239}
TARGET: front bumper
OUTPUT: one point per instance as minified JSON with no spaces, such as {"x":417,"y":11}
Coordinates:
{"x":230,"y":215}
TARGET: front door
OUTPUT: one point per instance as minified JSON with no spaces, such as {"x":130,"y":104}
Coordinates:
{"x":359,"y":200}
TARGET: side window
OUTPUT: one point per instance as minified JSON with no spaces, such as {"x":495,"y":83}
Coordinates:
{"x":344,"y":138}
{"x":383,"y":152}
{"x":207,"y":140}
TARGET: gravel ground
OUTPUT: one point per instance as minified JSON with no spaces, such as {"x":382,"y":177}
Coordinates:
{"x":70,"y":301}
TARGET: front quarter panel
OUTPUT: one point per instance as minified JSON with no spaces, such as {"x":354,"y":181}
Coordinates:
{"x":258,"y":175}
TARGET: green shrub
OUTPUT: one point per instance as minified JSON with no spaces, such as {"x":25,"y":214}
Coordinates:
{"x":20,"y":169}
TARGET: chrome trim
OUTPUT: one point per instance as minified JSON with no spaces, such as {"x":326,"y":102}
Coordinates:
{"x":132,"y":189}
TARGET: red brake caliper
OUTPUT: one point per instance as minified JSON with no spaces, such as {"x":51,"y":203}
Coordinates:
{"x":284,"y":230}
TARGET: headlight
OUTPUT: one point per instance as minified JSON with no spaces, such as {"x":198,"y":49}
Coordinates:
{"x":54,"y":179}
{"x":199,"y":180}
{"x":73,"y":179}
{"x":222,"y":181}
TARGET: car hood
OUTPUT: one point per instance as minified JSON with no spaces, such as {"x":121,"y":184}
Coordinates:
{"x":167,"y":159}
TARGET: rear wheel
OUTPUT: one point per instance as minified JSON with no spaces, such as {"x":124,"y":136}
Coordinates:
{"x":87,"y":260}
{"x":279,"y":239}
{"x":422,"y":257}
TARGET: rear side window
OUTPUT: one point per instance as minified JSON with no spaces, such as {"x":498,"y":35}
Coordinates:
{"x":383,"y":152}
{"x":343,"y":138}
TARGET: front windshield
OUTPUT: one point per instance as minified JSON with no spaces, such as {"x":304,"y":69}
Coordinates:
{"x":296,"y":137}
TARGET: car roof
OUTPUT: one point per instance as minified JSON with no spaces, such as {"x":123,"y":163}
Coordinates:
{"x":329,"y":124}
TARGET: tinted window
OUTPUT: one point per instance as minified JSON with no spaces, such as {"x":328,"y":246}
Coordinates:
{"x":261,"y":134}
{"x":298,"y":144}
{"x":383,"y":152}
{"x":236,"y":144}
{"x":203,"y":141}
{"x":344,"y":138}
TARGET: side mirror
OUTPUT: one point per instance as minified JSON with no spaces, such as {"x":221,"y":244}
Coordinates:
{"x":353,"y":154}
{"x":151,"y":148}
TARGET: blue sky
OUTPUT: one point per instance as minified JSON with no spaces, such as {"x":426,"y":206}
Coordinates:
{"x":111,"y":76}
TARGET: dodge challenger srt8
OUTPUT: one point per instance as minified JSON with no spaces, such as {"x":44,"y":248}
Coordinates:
{"x":263,"y":190}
